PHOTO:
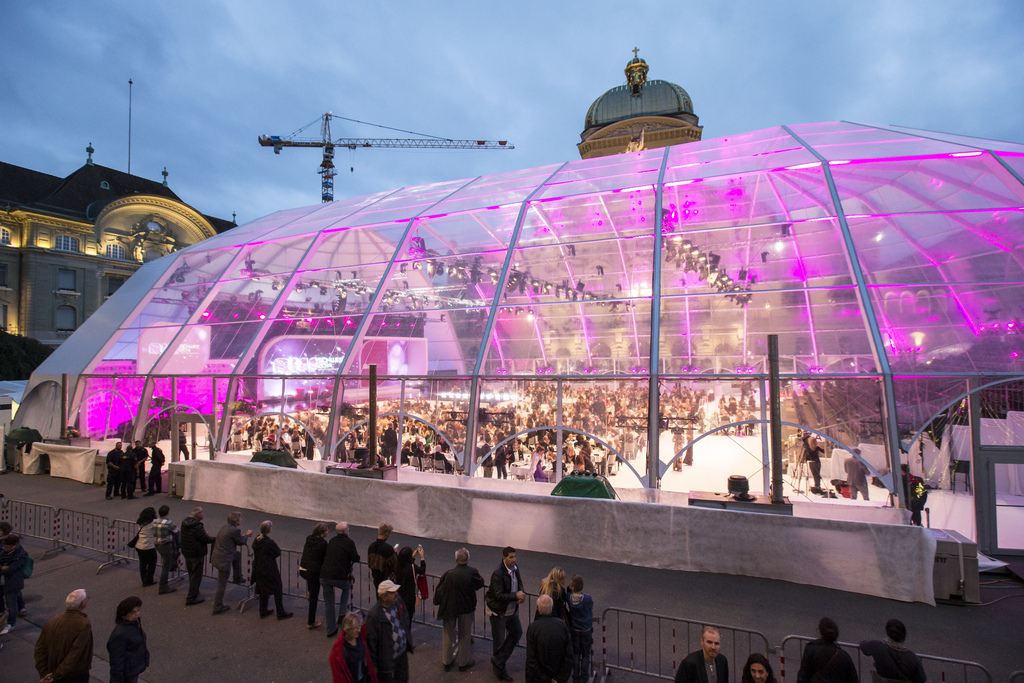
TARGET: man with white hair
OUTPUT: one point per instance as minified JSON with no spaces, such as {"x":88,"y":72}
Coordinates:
{"x":548,"y":646}
{"x":336,"y":573}
{"x":64,"y":648}
{"x":455,"y":597}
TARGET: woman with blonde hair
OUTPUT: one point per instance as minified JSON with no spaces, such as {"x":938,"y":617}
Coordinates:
{"x":553,"y":585}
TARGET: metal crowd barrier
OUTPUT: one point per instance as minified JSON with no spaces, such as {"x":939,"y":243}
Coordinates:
{"x":654,"y":645}
{"x":936,"y":668}
{"x":1017,"y":677}
{"x":29,"y":519}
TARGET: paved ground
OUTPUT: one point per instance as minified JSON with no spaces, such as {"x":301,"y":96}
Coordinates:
{"x":192,"y":645}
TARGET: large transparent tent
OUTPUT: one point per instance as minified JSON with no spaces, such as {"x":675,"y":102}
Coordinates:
{"x":572,"y":302}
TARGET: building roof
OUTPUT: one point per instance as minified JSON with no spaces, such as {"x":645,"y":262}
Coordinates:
{"x":657,"y":98}
{"x":81,"y":195}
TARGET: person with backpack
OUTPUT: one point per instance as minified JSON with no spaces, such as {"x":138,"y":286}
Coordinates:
{"x":14,"y":566}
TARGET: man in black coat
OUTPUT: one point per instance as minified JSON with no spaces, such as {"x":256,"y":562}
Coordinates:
{"x":128,"y":472}
{"x":503,"y":597}
{"x":455,"y":597}
{"x":706,"y":665}
{"x":156,"y":464}
{"x":194,"y":540}
{"x":336,"y":572}
{"x":114,"y":471}
{"x":892,"y":658}
{"x":141,"y":456}
{"x":548,"y":646}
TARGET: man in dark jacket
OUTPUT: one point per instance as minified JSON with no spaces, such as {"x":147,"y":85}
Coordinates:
{"x":63,"y":651}
{"x":156,"y":465}
{"x":893,"y":661}
{"x":455,"y":597}
{"x":503,"y":597}
{"x":336,"y":572}
{"x":706,"y":665}
{"x":380,"y":556}
{"x":141,"y":456}
{"x":389,"y":635}
{"x":824,"y":661}
{"x":194,"y":540}
{"x":548,"y":646}
{"x":114,"y":471}
{"x":12,"y":573}
{"x":129,"y":473}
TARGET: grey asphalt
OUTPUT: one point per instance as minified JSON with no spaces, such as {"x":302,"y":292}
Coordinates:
{"x":189,"y":644}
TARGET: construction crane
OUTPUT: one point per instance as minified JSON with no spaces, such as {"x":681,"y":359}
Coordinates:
{"x":327,"y":170}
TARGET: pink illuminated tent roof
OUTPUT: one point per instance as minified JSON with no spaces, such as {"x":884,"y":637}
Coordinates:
{"x":865,"y":248}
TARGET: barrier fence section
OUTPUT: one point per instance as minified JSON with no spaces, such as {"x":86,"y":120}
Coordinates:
{"x":936,"y":668}
{"x":29,"y":519}
{"x":654,"y":645}
{"x":1017,"y":677}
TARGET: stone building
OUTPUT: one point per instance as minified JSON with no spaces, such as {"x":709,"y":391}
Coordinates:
{"x":641,"y":114}
{"x":67,"y":244}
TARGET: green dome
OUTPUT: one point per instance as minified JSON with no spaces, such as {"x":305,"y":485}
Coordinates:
{"x":657,"y":98}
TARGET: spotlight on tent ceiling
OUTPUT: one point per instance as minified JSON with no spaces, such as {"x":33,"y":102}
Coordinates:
{"x":600,"y":270}
{"x":431,"y":269}
{"x":494,"y":276}
{"x":786,"y":229}
{"x":580,"y":286}
{"x":417,"y":265}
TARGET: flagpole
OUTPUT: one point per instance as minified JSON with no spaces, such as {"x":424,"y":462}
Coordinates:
{"x":129,"y":126}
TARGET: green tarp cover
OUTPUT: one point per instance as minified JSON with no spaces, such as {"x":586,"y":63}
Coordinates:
{"x":279,"y":458}
{"x":583,"y":486}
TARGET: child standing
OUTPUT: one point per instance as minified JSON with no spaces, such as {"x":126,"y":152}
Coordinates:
{"x":581,"y":627}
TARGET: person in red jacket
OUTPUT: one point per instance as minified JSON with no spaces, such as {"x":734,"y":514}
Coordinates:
{"x":350,"y":657}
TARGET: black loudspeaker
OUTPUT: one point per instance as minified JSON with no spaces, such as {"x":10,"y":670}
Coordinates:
{"x":739,"y":487}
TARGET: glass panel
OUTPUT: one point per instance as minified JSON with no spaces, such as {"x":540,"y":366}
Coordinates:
{"x":580,"y":338}
{"x":200,"y":267}
{"x":762,"y":150}
{"x":323,"y":216}
{"x":443,"y":283}
{"x":316,"y":293}
{"x":791,"y":255}
{"x":1014,"y":161}
{"x":270,"y":258}
{"x":403,"y":205}
{"x":604,"y":174}
{"x":951,"y":327}
{"x":347,"y":248}
{"x":464,"y":231}
{"x":936,"y":248}
{"x":257,"y":229}
{"x":402,"y":344}
{"x":820,"y":330}
{"x":168,"y":306}
{"x":900,"y":186}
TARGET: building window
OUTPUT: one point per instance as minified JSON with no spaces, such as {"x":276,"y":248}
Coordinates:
{"x":3,"y":274}
{"x":115,"y":251}
{"x":113,"y":284}
{"x":3,"y":317}
{"x":66,"y":317}
{"x":5,"y":236}
{"x":65,"y":243}
{"x":66,"y":280}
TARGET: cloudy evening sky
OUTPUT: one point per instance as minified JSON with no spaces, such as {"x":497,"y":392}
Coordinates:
{"x":211,"y":76}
